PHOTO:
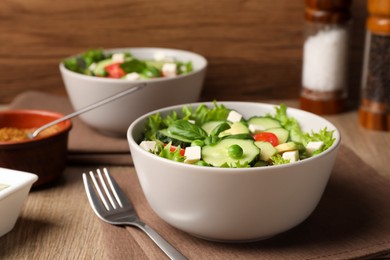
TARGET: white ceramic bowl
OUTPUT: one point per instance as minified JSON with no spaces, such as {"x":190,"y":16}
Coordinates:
{"x":115,"y":117}
{"x":13,"y":197}
{"x":228,"y":204}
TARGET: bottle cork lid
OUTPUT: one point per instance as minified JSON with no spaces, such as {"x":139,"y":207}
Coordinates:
{"x":374,"y":121}
{"x":374,"y":115}
{"x":323,"y":107}
{"x":328,"y":11}
{"x":379,"y":19}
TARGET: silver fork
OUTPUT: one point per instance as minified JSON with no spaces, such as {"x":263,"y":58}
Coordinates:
{"x":111,"y":205}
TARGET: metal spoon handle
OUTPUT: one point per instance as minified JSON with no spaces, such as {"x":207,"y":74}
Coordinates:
{"x":89,"y":107}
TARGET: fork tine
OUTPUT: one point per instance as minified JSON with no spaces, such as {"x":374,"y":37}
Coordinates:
{"x":93,"y":198}
{"x":105,"y":188}
{"x":99,"y":191}
{"x":125,"y":215}
{"x":117,"y":191}
{"x":113,"y":189}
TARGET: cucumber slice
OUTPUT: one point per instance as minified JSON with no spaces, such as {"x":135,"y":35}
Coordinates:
{"x":154,"y":63}
{"x":281,"y":133}
{"x":264,"y":123}
{"x":99,"y":69}
{"x":297,"y":137}
{"x":266,"y":150}
{"x":218,"y":154}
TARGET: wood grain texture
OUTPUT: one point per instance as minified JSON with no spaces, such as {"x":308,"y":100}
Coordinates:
{"x":58,"y":223}
{"x":254,"y":48}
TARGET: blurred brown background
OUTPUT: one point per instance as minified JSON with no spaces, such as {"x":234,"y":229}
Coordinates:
{"x":254,"y":48}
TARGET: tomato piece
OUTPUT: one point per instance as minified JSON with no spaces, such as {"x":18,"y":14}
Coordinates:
{"x":173,"y":149}
{"x":267,"y":137}
{"x":114,"y":71}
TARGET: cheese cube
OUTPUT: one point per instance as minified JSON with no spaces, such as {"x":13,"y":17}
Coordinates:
{"x":149,"y":146}
{"x":234,"y":116}
{"x":192,"y":154}
{"x":255,"y":128}
{"x":92,"y":66}
{"x":132,"y":76}
{"x":118,"y":57}
{"x":313,"y":146}
{"x":169,"y":70}
{"x":293,"y":156}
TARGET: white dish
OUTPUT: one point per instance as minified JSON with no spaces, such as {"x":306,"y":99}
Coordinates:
{"x":114,"y":118}
{"x":13,"y":197}
{"x":230,"y":204}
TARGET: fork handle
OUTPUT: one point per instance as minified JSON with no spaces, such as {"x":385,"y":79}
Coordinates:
{"x":163,"y":244}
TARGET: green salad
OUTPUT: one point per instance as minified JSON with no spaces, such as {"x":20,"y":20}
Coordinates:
{"x":220,"y":137}
{"x":123,"y":65}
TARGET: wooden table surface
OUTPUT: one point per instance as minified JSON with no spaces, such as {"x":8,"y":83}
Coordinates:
{"x":58,"y":223}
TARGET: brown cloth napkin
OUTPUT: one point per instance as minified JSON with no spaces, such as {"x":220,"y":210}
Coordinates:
{"x":352,"y":220}
{"x":85,"y":145}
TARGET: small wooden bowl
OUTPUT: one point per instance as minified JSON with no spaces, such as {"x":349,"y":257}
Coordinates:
{"x":45,"y":155}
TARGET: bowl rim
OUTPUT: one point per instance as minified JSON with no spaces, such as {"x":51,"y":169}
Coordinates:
{"x":40,"y":112}
{"x":204,"y":64}
{"x":133,"y":142}
{"x":23,"y":179}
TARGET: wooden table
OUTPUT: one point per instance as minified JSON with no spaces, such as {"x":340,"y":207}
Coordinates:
{"x":58,"y":223}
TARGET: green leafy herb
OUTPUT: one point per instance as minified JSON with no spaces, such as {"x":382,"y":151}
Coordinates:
{"x":155,"y":123}
{"x":220,"y":128}
{"x":290,"y":124}
{"x":278,"y":160}
{"x":323,"y":135}
{"x":151,"y":72}
{"x":198,"y":143}
{"x":81,"y":63}
{"x":184,"y":68}
{"x":237,"y":164}
{"x":133,"y":65}
{"x":204,"y":114}
{"x":187,"y":130}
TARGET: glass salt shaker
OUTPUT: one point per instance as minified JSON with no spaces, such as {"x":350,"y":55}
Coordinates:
{"x":374,"y":112}
{"x":325,"y":56}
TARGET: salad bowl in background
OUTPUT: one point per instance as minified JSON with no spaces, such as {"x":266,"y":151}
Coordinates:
{"x":115,"y":117}
{"x":234,"y":204}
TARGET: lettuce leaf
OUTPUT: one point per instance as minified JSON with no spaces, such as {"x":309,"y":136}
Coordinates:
{"x":200,"y":115}
{"x":168,"y":154}
{"x":324,"y":135}
{"x":203,"y":114}
{"x":81,"y":63}
{"x":278,"y":160}
{"x":291,"y":124}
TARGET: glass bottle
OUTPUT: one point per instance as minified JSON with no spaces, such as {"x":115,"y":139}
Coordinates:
{"x":374,"y":112}
{"x":325,"y":56}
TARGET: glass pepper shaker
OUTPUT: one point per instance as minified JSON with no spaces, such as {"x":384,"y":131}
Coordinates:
{"x":325,"y":56}
{"x":374,"y":112}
